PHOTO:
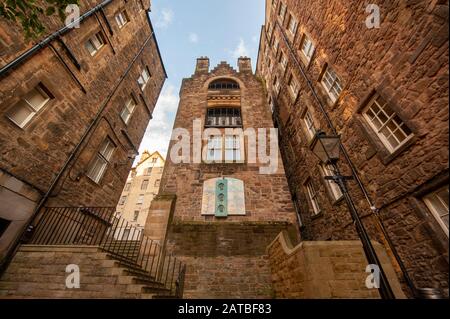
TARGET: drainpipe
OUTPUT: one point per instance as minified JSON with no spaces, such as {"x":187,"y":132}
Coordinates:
{"x":42,"y":44}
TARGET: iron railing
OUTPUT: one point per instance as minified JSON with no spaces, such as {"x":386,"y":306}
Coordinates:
{"x":98,"y":226}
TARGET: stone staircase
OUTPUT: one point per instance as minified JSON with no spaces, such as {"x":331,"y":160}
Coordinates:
{"x":40,"y":272}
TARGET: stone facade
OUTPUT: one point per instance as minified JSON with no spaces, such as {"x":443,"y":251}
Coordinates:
{"x":87,"y":92}
{"x":405,"y":62}
{"x":325,"y":270}
{"x":225,"y":256}
{"x":141,"y":187}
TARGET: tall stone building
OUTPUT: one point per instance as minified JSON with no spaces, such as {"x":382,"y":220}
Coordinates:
{"x":74,"y":106}
{"x":141,"y":187}
{"x":383,"y":88}
{"x":222,"y":212}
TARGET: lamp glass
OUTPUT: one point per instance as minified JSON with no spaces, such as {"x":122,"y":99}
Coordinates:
{"x":326,"y":148}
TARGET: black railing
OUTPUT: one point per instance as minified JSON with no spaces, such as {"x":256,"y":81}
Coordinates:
{"x":125,"y":242}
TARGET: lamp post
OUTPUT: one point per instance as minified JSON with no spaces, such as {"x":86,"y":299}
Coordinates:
{"x":327,"y":149}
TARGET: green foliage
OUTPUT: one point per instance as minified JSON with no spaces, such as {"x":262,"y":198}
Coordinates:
{"x":29,"y":13}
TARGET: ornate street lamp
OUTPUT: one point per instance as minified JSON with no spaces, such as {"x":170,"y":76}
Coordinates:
{"x":327,"y":149}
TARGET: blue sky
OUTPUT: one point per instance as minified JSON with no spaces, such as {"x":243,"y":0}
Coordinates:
{"x":187,"y":29}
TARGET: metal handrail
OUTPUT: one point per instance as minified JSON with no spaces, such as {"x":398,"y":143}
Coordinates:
{"x":99,"y":226}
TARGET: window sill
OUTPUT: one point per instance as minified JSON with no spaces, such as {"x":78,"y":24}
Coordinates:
{"x":336,"y":202}
{"x":305,"y":60}
{"x":380,"y":150}
{"x":317,"y":216}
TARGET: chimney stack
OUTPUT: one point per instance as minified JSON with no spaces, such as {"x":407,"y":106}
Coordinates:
{"x":245,"y":65}
{"x":202,"y":65}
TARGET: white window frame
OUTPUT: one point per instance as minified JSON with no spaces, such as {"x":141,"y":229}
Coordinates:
{"x":233,"y":143}
{"x":27,"y":104}
{"x":391,"y":120}
{"x":96,"y":42}
{"x":122,"y":19}
{"x":294,"y":87}
{"x":136,"y":214}
{"x":292,"y":27}
{"x":313,"y":198}
{"x":332,"y":83}
{"x":309,"y":125}
{"x":276,"y":45}
{"x":123,"y":200}
{"x":140,"y":199}
{"x":282,"y":12}
{"x":144,"y":78}
{"x":335,"y":191}
{"x":438,"y":214}
{"x":145,"y":182}
{"x":219,"y":145}
{"x":307,"y":47}
{"x":274,"y":4}
{"x":277,"y":86}
{"x":128,"y":110}
{"x":101,"y":161}
{"x":283,"y":61}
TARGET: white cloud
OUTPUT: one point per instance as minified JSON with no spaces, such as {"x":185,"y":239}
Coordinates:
{"x":159,"y":131}
{"x":193,"y":38}
{"x":240,"y":50}
{"x":164,"y":19}
{"x":255,"y":39}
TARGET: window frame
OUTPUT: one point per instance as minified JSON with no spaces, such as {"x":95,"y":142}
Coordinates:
{"x":140,"y":200}
{"x":334,"y":190}
{"x":100,"y":157}
{"x":100,"y":38}
{"x":121,"y":14}
{"x":130,"y":101}
{"x":434,"y":211}
{"x":146,"y":183}
{"x":283,"y":61}
{"x":217,"y":114}
{"x":294,"y":94}
{"x":311,"y":48}
{"x":384,"y":140}
{"x":330,"y":73}
{"x":220,"y":147}
{"x":310,"y":126}
{"x":313,"y":196}
{"x":292,"y":18}
{"x":144,"y":83}
{"x":33,"y":110}
{"x":277,"y":85}
{"x":122,"y":200}
{"x":282,"y":11}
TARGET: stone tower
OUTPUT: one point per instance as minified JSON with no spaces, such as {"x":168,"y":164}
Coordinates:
{"x":224,"y":207}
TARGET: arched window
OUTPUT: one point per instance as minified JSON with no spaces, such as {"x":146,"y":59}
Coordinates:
{"x":223,"y":197}
{"x":224,"y":84}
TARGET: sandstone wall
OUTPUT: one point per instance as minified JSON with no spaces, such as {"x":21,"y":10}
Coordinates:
{"x":406,"y":62}
{"x":325,"y":270}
